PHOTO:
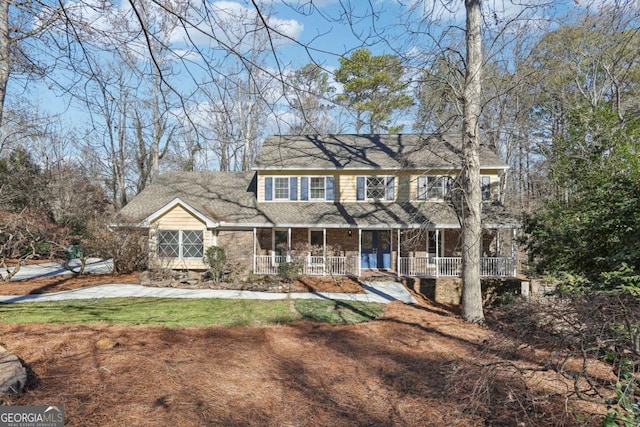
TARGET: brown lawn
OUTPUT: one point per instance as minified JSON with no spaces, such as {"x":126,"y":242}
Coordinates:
{"x":400,"y":370}
{"x":416,"y":366}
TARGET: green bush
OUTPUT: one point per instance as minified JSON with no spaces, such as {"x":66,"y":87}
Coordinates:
{"x":216,"y":258}
{"x":289,"y":271}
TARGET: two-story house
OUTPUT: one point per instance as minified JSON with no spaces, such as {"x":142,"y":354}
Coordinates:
{"x":337,"y":204}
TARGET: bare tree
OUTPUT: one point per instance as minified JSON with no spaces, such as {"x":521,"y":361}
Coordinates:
{"x":310,"y":101}
{"x":471,"y":196}
{"x":20,"y":21}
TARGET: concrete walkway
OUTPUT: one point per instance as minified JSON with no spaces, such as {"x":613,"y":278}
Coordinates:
{"x":380,"y":292}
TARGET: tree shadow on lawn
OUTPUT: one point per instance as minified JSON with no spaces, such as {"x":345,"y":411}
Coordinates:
{"x":404,"y":373}
{"x":411,"y":368}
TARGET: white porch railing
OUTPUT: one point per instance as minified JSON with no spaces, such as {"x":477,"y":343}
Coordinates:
{"x":409,"y":266}
{"x":452,"y":266}
{"x":311,"y":265}
{"x":498,"y":266}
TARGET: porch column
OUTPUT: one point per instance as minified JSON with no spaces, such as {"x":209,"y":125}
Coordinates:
{"x":324,"y":251}
{"x":289,"y":244}
{"x":513,"y":252}
{"x":255,"y":244}
{"x":398,"y":256}
{"x":390,"y":247}
{"x":359,"y":252}
{"x":324,"y":242}
{"x":437,"y":252}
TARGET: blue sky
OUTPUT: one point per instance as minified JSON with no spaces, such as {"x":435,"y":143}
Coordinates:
{"x":317,"y":29}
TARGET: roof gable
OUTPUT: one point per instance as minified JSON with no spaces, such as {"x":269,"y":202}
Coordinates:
{"x":181,"y":203}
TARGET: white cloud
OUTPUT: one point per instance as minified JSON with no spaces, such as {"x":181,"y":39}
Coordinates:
{"x":234,"y":25}
{"x":209,"y":24}
{"x":453,"y":11}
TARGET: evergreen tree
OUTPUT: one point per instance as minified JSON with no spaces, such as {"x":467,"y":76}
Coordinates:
{"x":374,"y":88}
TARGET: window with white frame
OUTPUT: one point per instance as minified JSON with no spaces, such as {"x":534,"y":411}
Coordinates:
{"x":485,"y":185}
{"x":179,"y":244}
{"x":317,"y":188}
{"x":433,"y":187}
{"x":280,"y":188}
{"x":375,"y":187}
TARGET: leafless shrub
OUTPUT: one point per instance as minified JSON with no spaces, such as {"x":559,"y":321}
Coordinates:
{"x":27,"y":235}
{"x":583,"y":346}
{"x":128,"y":246}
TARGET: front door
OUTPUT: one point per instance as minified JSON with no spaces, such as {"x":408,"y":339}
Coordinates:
{"x":376,"y":249}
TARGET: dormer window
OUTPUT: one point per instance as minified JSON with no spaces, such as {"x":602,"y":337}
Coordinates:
{"x":433,"y":187}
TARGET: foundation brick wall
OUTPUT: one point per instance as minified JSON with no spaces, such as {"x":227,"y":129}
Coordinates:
{"x":448,"y":290}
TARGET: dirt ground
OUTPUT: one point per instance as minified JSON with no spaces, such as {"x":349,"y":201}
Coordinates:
{"x":415,"y":366}
{"x":70,"y":281}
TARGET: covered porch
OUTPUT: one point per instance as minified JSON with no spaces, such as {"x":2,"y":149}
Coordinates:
{"x":417,"y":252}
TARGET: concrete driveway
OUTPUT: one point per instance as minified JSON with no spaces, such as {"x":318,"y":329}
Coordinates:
{"x":48,"y":269}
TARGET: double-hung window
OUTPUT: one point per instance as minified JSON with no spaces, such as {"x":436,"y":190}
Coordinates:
{"x":281,"y":188}
{"x":433,"y":187}
{"x":375,"y":187}
{"x":317,"y":188}
{"x":180,"y":244}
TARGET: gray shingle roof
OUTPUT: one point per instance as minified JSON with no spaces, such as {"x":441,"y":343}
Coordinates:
{"x":229,"y":198}
{"x":400,"y":151}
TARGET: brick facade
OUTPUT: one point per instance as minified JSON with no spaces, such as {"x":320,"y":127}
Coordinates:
{"x":238,"y":246}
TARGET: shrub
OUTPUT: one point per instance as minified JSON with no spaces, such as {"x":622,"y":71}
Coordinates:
{"x":127,"y":246}
{"x":289,"y":271}
{"x":216,"y":258}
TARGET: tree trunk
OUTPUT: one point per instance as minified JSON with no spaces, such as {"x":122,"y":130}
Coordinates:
{"x":5,"y":60}
{"x":471,"y":198}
